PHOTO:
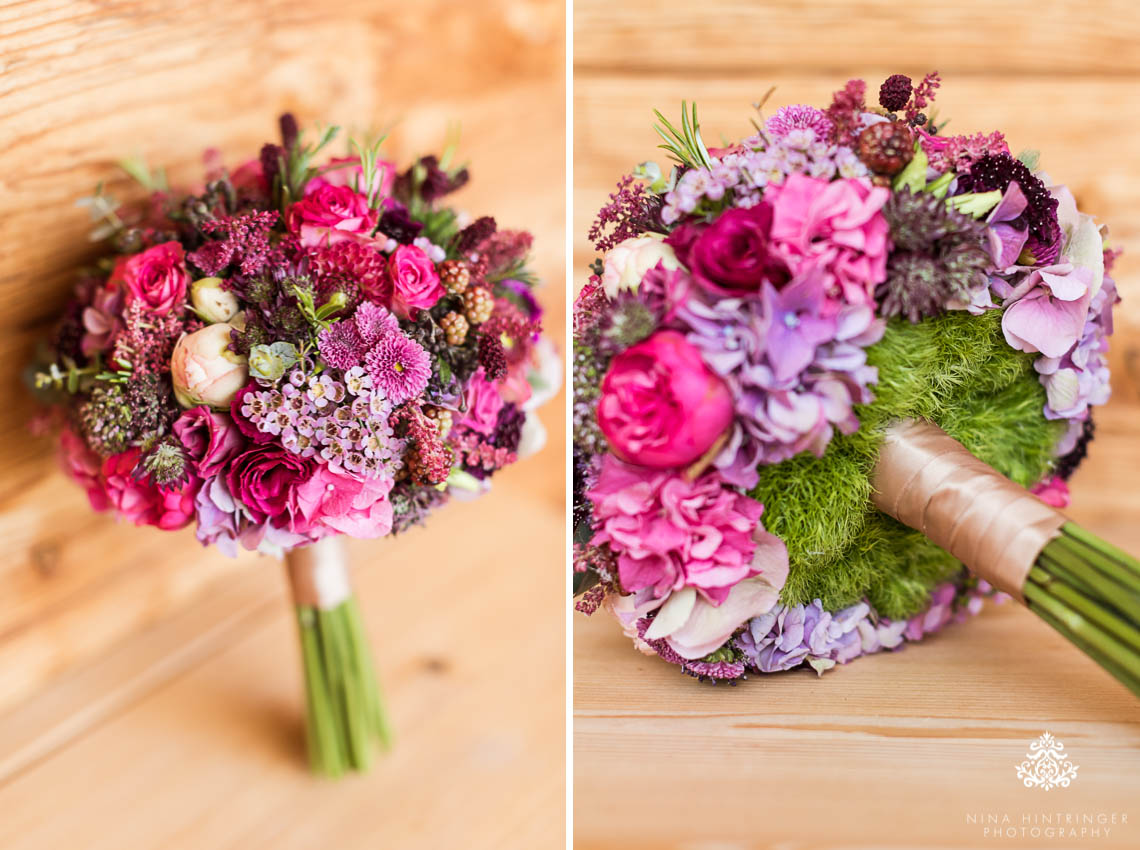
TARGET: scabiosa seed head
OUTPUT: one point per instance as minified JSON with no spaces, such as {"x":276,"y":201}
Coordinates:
{"x":399,"y":366}
{"x":894,"y":93}
{"x":492,"y":357}
{"x":997,"y":171}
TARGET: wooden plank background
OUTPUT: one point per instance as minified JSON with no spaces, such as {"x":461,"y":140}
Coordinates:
{"x":143,"y":674}
{"x":895,"y":750}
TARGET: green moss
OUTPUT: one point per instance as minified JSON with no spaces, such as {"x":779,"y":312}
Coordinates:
{"x":955,"y":370}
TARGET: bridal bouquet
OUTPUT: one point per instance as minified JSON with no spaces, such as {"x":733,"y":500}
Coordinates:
{"x":801,"y":363}
{"x":301,"y":348}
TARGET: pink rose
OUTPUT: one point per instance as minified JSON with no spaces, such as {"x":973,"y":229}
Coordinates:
{"x":836,"y":227}
{"x":670,"y":533}
{"x":211,"y":439}
{"x":157,"y":277}
{"x":733,"y":255}
{"x":349,"y":173}
{"x":331,"y":214}
{"x":265,"y":479}
{"x":484,"y":401}
{"x":661,"y":405}
{"x":203,"y":370}
{"x":334,"y":501}
{"x":142,"y":502}
{"x":83,"y":466}
{"x":414,"y":280}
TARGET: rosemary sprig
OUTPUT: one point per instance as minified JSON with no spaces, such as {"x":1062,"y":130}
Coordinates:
{"x":685,"y":144}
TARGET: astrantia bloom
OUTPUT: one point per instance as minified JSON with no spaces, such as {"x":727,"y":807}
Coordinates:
{"x":399,"y":367}
{"x":670,"y":533}
{"x":142,"y":502}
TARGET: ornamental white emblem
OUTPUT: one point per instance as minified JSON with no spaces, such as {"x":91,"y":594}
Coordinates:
{"x":1046,"y":765}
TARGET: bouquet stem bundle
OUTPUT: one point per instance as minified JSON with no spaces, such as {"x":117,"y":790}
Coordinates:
{"x":346,"y":716}
{"x":1085,"y":588}
{"x":1089,"y":591}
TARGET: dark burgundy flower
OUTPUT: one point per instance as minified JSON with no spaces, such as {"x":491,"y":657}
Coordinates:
{"x":265,"y":480}
{"x":210,"y":439}
{"x":396,"y":224}
{"x":731,"y":256}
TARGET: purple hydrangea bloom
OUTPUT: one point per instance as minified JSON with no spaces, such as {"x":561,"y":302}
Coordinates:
{"x":1080,"y":378}
{"x":795,"y":374}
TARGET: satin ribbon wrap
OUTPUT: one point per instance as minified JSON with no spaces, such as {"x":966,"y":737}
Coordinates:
{"x":929,"y":481}
{"x":318,"y":574}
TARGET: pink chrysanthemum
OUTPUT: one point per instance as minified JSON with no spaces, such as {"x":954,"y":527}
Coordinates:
{"x":374,"y":322}
{"x":796,"y":117}
{"x":349,"y":261}
{"x":341,"y":345}
{"x":399,"y":366}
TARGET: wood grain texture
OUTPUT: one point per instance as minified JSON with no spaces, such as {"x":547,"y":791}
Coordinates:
{"x":87,"y":83}
{"x":750,"y":36}
{"x":151,"y":688}
{"x":895,"y":750}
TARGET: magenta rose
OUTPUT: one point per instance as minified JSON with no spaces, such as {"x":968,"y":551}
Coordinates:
{"x":732,"y":255}
{"x":157,"y":278}
{"x":265,"y":479}
{"x":484,"y":401}
{"x":415,"y":282}
{"x":210,"y":439}
{"x":661,"y":405}
{"x":331,"y":214}
{"x":142,"y":502}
